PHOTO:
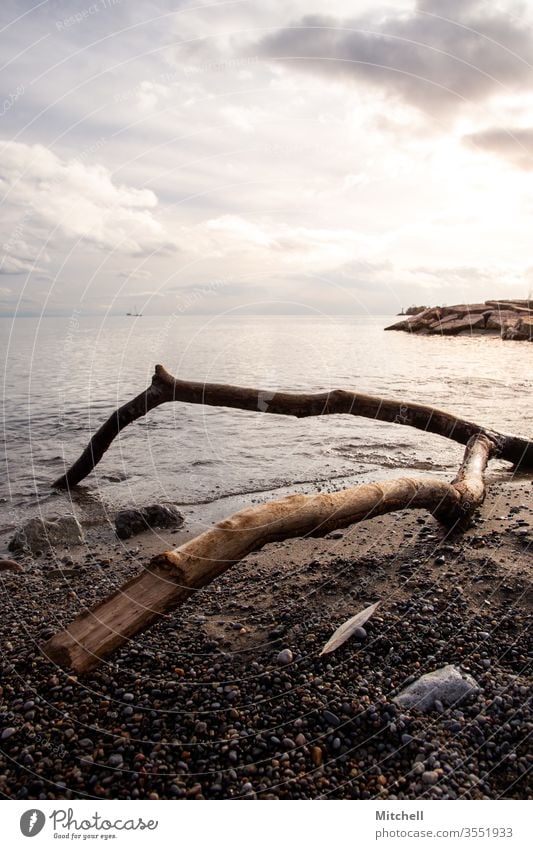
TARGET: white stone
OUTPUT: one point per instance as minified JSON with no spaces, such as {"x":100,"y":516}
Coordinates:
{"x":448,"y":685}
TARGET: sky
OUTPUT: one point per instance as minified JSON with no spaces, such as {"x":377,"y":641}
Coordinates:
{"x":264,"y":157}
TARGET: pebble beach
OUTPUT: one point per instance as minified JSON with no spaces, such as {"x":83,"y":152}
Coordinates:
{"x":228,"y":697}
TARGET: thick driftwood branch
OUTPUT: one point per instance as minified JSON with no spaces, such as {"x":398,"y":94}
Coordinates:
{"x":175,"y":575}
{"x":165,"y":388}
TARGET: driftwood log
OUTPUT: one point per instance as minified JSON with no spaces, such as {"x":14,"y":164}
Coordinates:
{"x":165,"y":388}
{"x":174,"y":576}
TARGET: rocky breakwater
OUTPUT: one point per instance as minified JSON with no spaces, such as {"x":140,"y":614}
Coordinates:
{"x":509,"y":319}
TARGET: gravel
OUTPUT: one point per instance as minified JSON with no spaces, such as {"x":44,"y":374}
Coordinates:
{"x":195,"y":709}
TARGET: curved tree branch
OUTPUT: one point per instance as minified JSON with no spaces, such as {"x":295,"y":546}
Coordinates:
{"x":166,"y":388}
{"x":175,"y":575}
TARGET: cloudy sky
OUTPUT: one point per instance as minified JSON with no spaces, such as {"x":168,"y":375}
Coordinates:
{"x":200,"y":157}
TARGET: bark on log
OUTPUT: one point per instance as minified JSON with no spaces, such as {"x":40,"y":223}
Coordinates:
{"x":175,"y":575}
{"x":165,"y":388}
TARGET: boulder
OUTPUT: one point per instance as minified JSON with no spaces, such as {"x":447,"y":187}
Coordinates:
{"x":423,"y":318}
{"x":521,"y":329}
{"x":436,"y":326}
{"x":513,"y":319}
{"x":500,"y":319}
{"x":136,"y":520}
{"x":40,"y":534}
{"x":464,"y":309}
{"x":399,"y":325}
{"x":460,"y":325}
{"x":518,"y":306}
{"x":448,"y":685}
{"x":417,"y":322}
{"x":524,"y":328}
{"x":525,"y":311}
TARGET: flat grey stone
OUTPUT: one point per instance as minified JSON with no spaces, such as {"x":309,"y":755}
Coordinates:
{"x":447,"y":685}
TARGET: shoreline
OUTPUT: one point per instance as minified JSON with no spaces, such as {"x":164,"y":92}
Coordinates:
{"x":197,"y":706}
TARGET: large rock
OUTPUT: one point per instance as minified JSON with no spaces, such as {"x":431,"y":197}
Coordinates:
{"x":417,"y":322}
{"x":514,"y":319}
{"x":523,"y":329}
{"x":438,"y":325}
{"x":517,"y":306}
{"x":500,"y":319}
{"x":399,"y":325}
{"x":464,"y":309}
{"x":41,"y":534}
{"x":136,"y":520}
{"x":422,"y":319}
{"x":453,"y":326}
{"x":448,"y":685}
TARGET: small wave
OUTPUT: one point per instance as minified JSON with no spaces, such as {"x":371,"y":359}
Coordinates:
{"x":425,"y":466}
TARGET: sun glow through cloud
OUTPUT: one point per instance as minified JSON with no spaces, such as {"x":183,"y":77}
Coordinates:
{"x":181,"y":144}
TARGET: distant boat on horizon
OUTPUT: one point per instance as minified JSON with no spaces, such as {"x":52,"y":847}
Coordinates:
{"x":135,"y":314}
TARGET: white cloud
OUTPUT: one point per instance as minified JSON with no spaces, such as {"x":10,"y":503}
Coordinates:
{"x":150,"y":94}
{"x":437,"y":57}
{"x":17,"y":256}
{"x":80,"y":201}
{"x":136,"y":274}
{"x":285,"y":246}
{"x":181,"y":133}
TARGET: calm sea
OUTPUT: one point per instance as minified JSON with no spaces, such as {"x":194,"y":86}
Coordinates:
{"x":64,"y":376}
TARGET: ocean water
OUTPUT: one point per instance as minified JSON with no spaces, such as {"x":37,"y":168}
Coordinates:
{"x":64,"y":376}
